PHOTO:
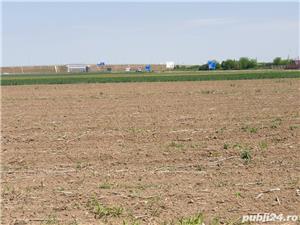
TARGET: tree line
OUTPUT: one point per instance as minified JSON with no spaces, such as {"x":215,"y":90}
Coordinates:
{"x":243,"y":63}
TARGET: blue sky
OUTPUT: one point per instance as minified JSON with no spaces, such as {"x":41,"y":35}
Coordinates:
{"x":40,"y":33}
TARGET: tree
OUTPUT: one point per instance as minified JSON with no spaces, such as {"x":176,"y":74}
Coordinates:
{"x":282,"y":62}
{"x":277,"y":61}
{"x":246,"y":63}
{"x":230,"y":64}
{"x":252,"y":63}
{"x":218,"y":66}
{"x":203,"y":67}
{"x":286,"y":62}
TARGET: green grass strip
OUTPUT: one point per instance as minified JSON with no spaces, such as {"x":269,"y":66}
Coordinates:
{"x":102,"y":78}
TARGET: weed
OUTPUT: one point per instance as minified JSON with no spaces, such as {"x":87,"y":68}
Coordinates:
{"x":273,"y":126}
{"x":277,"y":120}
{"x":253,"y":130}
{"x":154,"y":212}
{"x":8,"y":190}
{"x":74,"y":222}
{"x":249,"y":129}
{"x":135,"y":130}
{"x":195,"y":146}
{"x":153,"y":206}
{"x":81,"y":165}
{"x":221,"y":184}
{"x":213,"y":153}
{"x":263,"y":145}
{"x":215,"y":221}
{"x":175,"y":145}
{"x":246,"y":155}
{"x":296,"y":115}
{"x":60,"y":189}
{"x":131,"y":223}
{"x":294,"y":183}
{"x":199,"y":168}
{"x":27,"y":189}
{"x":221,"y":130}
{"x":293,"y":127}
{"x":207,"y":92}
{"x":146,"y":186}
{"x":237,"y":145}
{"x":76,"y":205}
{"x":194,"y":220}
{"x":238,"y":194}
{"x":226,"y":146}
{"x":244,"y":128}
{"x":78,"y":165}
{"x":105,"y":186}
{"x":51,"y":219}
{"x":101,"y":211}
{"x":276,"y":123}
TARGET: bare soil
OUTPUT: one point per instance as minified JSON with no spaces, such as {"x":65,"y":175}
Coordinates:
{"x":155,"y":151}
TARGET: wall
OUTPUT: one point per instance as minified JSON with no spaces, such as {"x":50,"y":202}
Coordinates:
{"x":63,"y":68}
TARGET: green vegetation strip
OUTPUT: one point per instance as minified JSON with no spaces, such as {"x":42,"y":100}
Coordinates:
{"x":152,"y":77}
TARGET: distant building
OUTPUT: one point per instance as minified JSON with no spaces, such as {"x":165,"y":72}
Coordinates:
{"x":212,"y":65}
{"x":77,"y":68}
{"x":148,"y":68}
{"x":294,"y":65}
{"x":100,"y":64}
{"x":170,"y":65}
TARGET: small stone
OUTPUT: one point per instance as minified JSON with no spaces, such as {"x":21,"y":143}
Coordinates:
{"x":191,"y":201}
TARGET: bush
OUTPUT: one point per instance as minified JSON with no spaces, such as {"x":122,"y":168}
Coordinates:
{"x":281,"y":62}
{"x":246,"y":155}
{"x":243,"y":63}
{"x":277,"y":61}
{"x":230,"y":64}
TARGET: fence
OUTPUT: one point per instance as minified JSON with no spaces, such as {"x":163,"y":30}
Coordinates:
{"x":64,"y":69}
{"x":33,"y":69}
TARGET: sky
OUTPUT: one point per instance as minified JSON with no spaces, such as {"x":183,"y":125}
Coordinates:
{"x":43,"y":33}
